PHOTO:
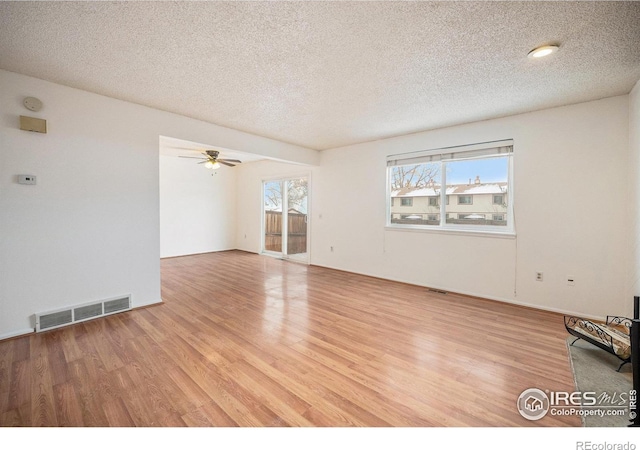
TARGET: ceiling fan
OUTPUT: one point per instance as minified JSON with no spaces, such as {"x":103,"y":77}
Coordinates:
{"x":211,"y":160}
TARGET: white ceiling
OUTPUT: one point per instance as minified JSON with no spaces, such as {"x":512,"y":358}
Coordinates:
{"x":328,"y":74}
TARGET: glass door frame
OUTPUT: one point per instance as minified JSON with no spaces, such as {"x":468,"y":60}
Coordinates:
{"x":285,"y":213}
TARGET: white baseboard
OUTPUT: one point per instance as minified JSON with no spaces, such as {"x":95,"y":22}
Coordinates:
{"x":16,"y":333}
{"x":472,"y":294}
{"x":135,"y":306}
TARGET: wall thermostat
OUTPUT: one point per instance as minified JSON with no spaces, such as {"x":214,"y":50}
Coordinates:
{"x":32,"y":104}
{"x":26,"y":179}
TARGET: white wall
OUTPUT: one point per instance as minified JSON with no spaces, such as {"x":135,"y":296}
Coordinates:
{"x":634,"y":191}
{"x":89,"y":229}
{"x":568,"y":161}
{"x":197,"y":207}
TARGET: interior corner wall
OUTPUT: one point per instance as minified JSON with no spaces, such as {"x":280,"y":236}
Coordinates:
{"x":570,"y":193}
{"x":197,"y":208}
{"x":89,"y":229}
{"x":634,"y":192}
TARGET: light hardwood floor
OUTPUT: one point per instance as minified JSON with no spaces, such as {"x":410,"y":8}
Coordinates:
{"x":248,"y":340}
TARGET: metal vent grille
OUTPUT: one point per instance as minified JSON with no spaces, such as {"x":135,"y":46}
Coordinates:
{"x":437,"y":291}
{"x":118,"y":304}
{"x":86,"y":312}
{"x":54,"y":319}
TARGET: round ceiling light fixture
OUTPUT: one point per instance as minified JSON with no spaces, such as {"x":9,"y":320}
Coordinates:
{"x":545,"y":50}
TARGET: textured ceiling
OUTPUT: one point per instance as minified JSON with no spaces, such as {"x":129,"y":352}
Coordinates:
{"x":327,"y":74}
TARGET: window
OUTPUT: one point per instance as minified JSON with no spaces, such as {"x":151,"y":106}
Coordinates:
{"x":465,"y":200}
{"x":406,"y":202}
{"x":478,"y":176}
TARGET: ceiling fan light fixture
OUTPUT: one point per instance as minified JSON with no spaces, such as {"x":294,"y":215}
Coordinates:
{"x":211,"y":160}
{"x":542,"y":51}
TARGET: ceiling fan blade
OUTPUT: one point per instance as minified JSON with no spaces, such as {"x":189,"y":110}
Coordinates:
{"x":192,"y":157}
{"x":203,"y":162}
{"x":237,"y":161}
{"x":226,"y":163}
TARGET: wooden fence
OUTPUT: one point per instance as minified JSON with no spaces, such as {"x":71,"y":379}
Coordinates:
{"x":296,"y":235}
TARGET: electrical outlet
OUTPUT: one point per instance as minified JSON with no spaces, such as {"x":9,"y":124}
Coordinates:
{"x":26,"y":179}
{"x":571,"y":281}
{"x":538,"y":276}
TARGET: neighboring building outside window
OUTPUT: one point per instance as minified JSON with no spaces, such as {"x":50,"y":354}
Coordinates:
{"x":473,"y":216}
{"x":478,"y":177}
{"x":410,"y":217}
{"x":465,"y":200}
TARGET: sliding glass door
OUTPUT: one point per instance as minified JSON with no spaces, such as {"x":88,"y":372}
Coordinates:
{"x":285,"y":218}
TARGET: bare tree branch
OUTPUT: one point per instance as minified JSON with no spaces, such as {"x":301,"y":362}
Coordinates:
{"x":414,"y":176}
{"x":297,"y":191}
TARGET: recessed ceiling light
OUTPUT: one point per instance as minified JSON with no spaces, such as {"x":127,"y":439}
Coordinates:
{"x":543,"y":51}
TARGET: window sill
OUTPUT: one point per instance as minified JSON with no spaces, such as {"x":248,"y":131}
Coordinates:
{"x":454,"y":231}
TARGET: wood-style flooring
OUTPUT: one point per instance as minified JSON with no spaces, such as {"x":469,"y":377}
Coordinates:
{"x":248,"y":340}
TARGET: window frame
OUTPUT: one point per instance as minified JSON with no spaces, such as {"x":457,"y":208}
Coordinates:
{"x":443,"y":156}
{"x":408,"y":200}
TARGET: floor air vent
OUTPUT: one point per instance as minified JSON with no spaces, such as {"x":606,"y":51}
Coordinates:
{"x":74,"y":314}
{"x":118,"y":304}
{"x":437,"y":291}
